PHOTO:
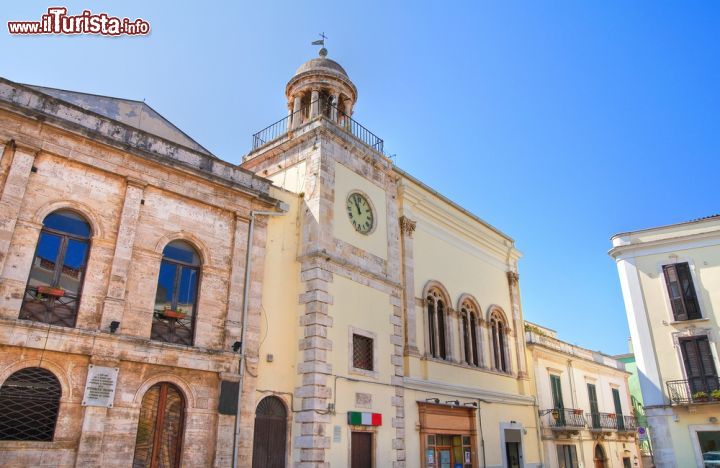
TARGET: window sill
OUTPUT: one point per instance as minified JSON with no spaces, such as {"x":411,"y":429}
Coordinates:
{"x":682,"y":322}
{"x":364,"y":372}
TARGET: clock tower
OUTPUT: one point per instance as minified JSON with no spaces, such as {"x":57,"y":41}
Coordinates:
{"x":349,"y":306}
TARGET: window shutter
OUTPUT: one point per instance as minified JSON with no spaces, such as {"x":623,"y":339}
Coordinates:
{"x":688,"y":291}
{"x":706,"y":358}
{"x":675,"y":293}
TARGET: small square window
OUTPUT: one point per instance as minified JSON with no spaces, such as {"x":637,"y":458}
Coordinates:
{"x":362,"y":352}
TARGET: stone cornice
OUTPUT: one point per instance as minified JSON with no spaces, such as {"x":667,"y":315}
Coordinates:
{"x":443,"y":388}
{"x":689,"y":241}
{"x":20,"y":99}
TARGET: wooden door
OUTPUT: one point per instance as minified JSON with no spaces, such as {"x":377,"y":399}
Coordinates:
{"x":159,"y":433}
{"x":270,"y":436}
{"x":361,"y":450}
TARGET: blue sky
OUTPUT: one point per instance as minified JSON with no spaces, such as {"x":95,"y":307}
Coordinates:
{"x":561,"y":123}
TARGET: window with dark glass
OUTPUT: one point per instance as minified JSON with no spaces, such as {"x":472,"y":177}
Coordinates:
{"x":681,"y":291}
{"x":436,"y":325}
{"x":567,"y":456}
{"x":53,"y":290}
{"x":469,"y":331}
{"x":176,"y":296}
{"x":29,"y":404}
{"x":498,"y":331}
{"x":362,"y":352}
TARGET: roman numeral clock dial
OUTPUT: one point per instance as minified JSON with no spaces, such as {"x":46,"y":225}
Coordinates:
{"x":360,"y":213}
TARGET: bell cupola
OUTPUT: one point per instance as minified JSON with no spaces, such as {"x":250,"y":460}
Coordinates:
{"x":320,"y":87}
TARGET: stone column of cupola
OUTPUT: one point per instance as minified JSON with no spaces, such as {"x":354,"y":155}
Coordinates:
{"x":314,"y":102}
{"x":334,"y":108}
{"x":296,"y":118}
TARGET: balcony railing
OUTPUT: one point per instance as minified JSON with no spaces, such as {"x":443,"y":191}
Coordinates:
{"x":280,"y":128}
{"x":696,"y":390}
{"x":564,"y":419}
{"x":611,"y":422}
{"x":56,"y":307}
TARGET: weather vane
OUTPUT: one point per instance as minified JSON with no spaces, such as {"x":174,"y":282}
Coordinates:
{"x":321,"y":42}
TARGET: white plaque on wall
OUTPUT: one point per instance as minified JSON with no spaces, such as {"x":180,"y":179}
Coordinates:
{"x":100,"y":386}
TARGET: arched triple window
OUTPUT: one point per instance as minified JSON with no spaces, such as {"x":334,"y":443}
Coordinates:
{"x":158,"y":442}
{"x":270,"y":436}
{"x":29,"y":405}
{"x":176,"y":296}
{"x":498,"y":342}
{"x":468,"y":317}
{"x":53,"y":290}
{"x":436,"y":324}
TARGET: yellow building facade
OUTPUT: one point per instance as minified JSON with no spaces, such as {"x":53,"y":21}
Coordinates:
{"x":392,"y":329}
{"x":670,"y":283}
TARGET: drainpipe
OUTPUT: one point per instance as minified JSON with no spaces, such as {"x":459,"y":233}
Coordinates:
{"x":482,"y":438}
{"x":246,"y":292}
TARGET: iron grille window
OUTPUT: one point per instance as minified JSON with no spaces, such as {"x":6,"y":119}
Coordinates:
{"x":681,"y":291}
{"x":29,"y":404}
{"x":362,"y":352}
{"x":176,"y":295}
{"x":53,"y":289}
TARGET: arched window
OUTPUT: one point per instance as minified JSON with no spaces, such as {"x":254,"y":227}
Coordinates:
{"x":498,"y":337}
{"x":159,"y":434}
{"x":176,"y":296}
{"x":436,"y":315}
{"x":270,"y":436}
{"x":56,"y":276}
{"x":29,"y":404}
{"x":468,"y":314}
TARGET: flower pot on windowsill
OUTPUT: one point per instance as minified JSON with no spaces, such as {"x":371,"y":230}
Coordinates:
{"x":174,"y":314}
{"x":48,"y":291}
{"x":578,"y":412}
{"x":611,"y":415}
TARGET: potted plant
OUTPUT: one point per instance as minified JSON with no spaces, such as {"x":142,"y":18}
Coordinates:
{"x":577,"y":412}
{"x":611,"y":415}
{"x":50,"y":291}
{"x":174,"y":314}
{"x":699,"y":396}
{"x":715,"y":394}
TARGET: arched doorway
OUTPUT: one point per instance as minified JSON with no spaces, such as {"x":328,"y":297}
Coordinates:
{"x":599,"y":457}
{"x":159,"y":433}
{"x":269,"y":440}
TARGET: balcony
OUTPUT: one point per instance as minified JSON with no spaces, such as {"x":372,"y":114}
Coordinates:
{"x":573,"y":420}
{"x":701,"y":390}
{"x":604,"y":422}
{"x":284,"y":126}
{"x":49,"y":305}
{"x":566,"y":419}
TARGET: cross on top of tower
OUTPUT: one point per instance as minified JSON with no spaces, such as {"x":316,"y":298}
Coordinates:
{"x":321,"y":42}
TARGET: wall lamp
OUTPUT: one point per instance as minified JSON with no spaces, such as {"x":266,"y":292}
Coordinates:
{"x":236,"y":346}
{"x":434,"y":400}
{"x":470,"y":403}
{"x":454,"y":402}
{"x":114,"y":325}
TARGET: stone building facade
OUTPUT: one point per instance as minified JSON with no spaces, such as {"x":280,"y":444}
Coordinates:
{"x":124,"y":194}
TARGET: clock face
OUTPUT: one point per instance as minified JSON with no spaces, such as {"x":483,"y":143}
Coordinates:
{"x":360,"y":213}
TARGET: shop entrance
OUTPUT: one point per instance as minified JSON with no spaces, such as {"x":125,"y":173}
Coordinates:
{"x":448,"y":451}
{"x":447,"y":435}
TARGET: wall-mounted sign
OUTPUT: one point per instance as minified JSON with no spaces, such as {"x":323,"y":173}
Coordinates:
{"x":430,"y":454}
{"x":100,"y":386}
{"x":357,"y":418}
{"x":337,"y":431}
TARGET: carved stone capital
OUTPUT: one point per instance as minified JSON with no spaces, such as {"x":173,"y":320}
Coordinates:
{"x":407,"y":226}
{"x":513,"y":277}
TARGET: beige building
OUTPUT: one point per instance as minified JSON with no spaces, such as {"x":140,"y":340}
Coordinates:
{"x":397,"y":306}
{"x":671,"y":284}
{"x":123,"y":253}
{"x":586,"y":414}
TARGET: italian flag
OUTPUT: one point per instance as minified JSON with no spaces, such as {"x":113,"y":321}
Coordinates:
{"x":357,"y":418}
